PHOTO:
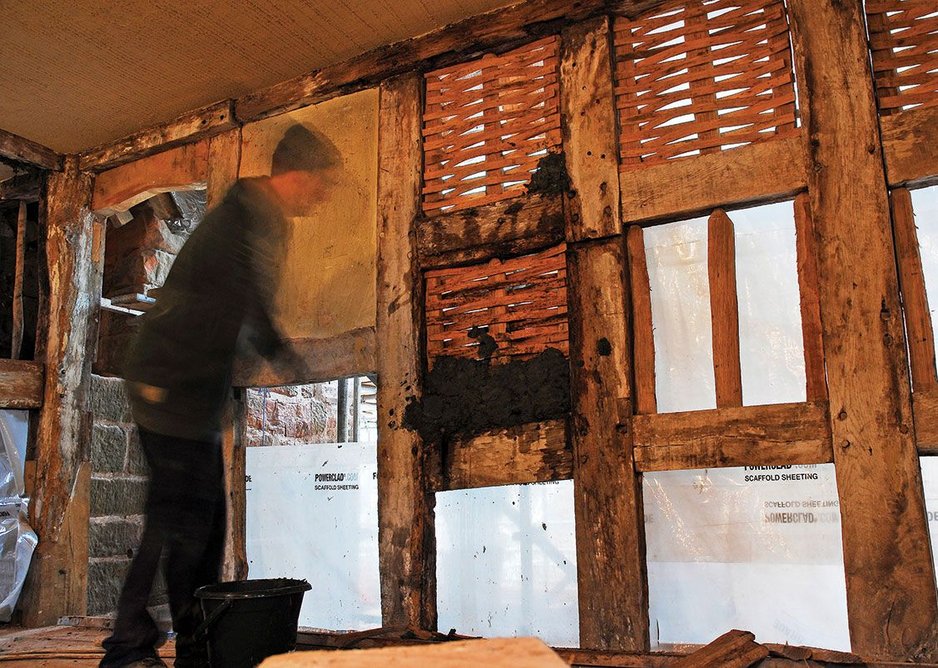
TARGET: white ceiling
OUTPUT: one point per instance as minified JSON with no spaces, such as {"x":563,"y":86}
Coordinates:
{"x":78,"y":73}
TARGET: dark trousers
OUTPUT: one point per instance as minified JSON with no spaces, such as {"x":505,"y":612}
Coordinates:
{"x":185,"y":520}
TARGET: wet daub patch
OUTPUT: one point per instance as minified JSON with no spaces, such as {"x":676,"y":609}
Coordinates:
{"x":466,"y":397}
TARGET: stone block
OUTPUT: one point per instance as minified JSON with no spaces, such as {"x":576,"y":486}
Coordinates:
{"x":105,"y":579}
{"x":114,"y":537}
{"x":109,"y":399}
{"x":108,"y":448}
{"x":117,"y":496}
{"x":136,"y":460}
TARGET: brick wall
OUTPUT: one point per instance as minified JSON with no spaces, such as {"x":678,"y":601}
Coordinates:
{"x":118,"y":491}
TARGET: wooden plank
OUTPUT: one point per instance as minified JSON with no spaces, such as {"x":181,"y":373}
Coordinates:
{"x":21,"y":384}
{"x":806,"y":250}
{"x":74,"y":252}
{"x":925,"y":408}
{"x":187,"y":128}
{"x":347,"y":354}
{"x":406,"y":535}
{"x":499,"y":29}
{"x":20,"y":269}
{"x":918,"y":321}
{"x":234,"y":442}
{"x":183,"y":168}
{"x":891,"y":596}
{"x":910,"y":145}
{"x":734,"y":649}
{"x":500,"y":229}
{"x":724,"y":309}
{"x":588,"y":116}
{"x":768,"y":435}
{"x":535,"y":452}
{"x":768,"y":171}
{"x":610,"y":540}
{"x":643,"y":333}
{"x":497,"y":652}
{"x":20,"y":149}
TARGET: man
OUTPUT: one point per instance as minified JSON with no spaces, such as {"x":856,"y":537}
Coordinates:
{"x":219,"y":290}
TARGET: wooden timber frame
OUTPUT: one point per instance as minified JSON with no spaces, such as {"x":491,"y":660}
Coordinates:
{"x":861,"y":412}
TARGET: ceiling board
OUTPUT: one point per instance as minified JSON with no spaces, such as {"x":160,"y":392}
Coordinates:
{"x":79,"y":73}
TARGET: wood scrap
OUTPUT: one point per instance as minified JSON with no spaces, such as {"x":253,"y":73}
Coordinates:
{"x":733,"y":649}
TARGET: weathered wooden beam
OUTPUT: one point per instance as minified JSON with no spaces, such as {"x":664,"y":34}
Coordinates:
{"x":891,"y":598}
{"x":764,"y":172}
{"x":21,"y":383}
{"x":20,"y":269}
{"x":14,"y":147}
{"x":187,"y":128}
{"x":500,"y":29}
{"x":724,"y":309}
{"x":535,"y":452}
{"x":925,"y":408}
{"x":501,"y":229}
{"x":610,"y":534}
{"x":24,"y":187}
{"x":74,"y":252}
{"x":588,"y":117}
{"x":406,"y":535}
{"x":183,"y":168}
{"x":734,"y":649}
{"x":806,"y":251}
{"x":643,"y":331}
{"x":742,"y":436}
{"x":918,"y":321}
{"x":351,"y":353}
{"x":234,"y":442}
{"x":910,"y":145}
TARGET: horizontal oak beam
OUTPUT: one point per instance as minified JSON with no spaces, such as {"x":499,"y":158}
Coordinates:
{"x":25,"y":187}
{"x":20,"y":149}
{"x":771,"y":170}
{"x":500,"y":229}
{"x":21,"y":384}
{"x":534,"y":452}
{"x":347,"y":354}
{"x":910,"y":145}
{"x":187,"y":128}
{"x":498,"y":29}
{"x":740,"y":436}
{"x":925,"y":412}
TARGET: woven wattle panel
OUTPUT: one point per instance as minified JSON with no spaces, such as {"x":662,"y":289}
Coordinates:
{"x":487,"y":123}
{"x":701,"y":76}
{"x":520,"y":303}
{"x":904,"y":41}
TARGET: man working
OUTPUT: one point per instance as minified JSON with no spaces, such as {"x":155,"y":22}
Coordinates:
{"x":219,"y":289}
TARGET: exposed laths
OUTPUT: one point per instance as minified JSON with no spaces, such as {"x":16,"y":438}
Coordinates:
{"x":487,"y":123}
{"x":700,"y":76}
{"x":521,"y":303}
{"x":904,"y":42}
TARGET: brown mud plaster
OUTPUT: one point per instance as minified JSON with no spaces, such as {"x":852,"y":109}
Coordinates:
{"x":465,"y":397}
{"x":550,"y":177}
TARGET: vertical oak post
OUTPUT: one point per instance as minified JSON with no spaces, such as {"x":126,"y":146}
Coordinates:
{"x":806,"y":249}
{"x":891,"y":598}
{"x":610,"y":531}
{"x":406,"y":539}
{"x":643,"y":331}
{"x":724,"y":310}
{"x":74,"y":254}
{"x":612,"y":584}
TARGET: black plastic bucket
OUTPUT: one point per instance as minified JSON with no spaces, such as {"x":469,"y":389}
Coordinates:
{"x":249,"y":620}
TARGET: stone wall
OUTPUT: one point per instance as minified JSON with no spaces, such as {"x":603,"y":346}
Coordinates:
{"x":118,"y":491}
{"x":292,"y":415}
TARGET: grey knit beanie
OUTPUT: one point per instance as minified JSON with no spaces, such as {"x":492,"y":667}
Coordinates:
{"x":303,"y":149}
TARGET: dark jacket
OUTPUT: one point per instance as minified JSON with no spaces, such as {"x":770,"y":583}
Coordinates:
{"x":222,"y":281}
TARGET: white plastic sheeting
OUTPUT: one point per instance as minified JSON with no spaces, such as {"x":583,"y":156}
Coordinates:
{"x":737,"y":548}
{"x":17,"y":539}
{"x":925,"y":207}
{"x":506,"y":562}
{"x":930,"y":482}
{"x":312,"y":512}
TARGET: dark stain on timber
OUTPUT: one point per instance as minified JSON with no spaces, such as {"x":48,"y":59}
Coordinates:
{"x":550,"y":177}
{"x":466,"y":397}
{"x":603,"y":347}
